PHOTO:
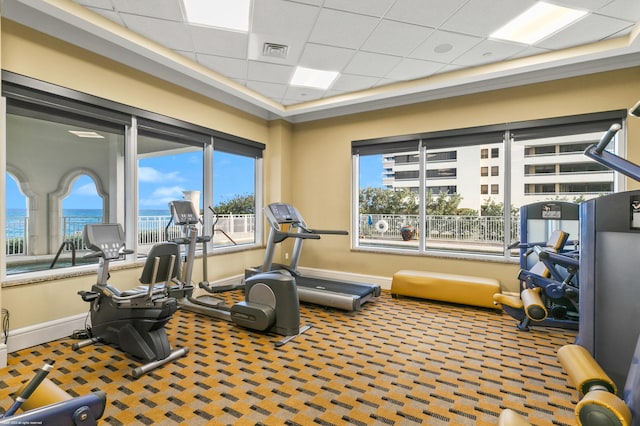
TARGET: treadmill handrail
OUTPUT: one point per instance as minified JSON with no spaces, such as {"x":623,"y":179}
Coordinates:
{"x":329,"y":231}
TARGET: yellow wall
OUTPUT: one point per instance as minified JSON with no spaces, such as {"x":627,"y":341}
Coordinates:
{"x":25,"y":51}
{"x":323,"y":193}
{"x":307,"y":164}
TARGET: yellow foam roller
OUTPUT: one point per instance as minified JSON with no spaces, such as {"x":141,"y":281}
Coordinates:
{"x":584,"y":372}
{"x":533,"y":304}
{"x":600,"y":407}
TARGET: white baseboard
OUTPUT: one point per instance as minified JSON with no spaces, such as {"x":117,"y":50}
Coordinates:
{"x":3,"y":355}
{"x":52,"y":330}
{"x":383,"y":282}
{"x":42,"y":333}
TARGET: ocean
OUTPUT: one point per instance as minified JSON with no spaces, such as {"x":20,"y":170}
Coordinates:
{"x":148,"y":219}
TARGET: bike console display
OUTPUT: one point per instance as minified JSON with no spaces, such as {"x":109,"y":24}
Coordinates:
{"x":105,"y":238}
{"x":183,"y":212}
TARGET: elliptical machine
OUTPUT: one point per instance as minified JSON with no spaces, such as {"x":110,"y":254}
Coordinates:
{"x":271,"y":299}
{"x":132,"y":320}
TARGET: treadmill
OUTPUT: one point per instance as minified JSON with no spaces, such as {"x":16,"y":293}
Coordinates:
{"x":348,"y":296}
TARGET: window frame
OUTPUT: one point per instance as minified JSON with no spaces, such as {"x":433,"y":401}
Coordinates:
{"x":42,"y":96}
{"x":575,"y":124}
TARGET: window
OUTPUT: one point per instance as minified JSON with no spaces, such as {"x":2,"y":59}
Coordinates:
{"x":235,"y":201}
{"x":170,"y":167}
{"x":444,"y":207}
{"x":65,"y":186}
{"x":73,"y":159}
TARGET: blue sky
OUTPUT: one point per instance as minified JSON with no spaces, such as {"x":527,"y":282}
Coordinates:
{"x":370,"y":171}
{"x":162,"y":179}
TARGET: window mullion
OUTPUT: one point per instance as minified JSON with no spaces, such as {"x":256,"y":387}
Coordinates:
{"x":422,"y":189}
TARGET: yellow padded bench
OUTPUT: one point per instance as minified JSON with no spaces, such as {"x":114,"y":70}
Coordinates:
{"x":462,"y":289}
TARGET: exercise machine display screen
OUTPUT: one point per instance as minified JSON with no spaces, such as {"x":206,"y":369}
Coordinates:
{"x":106,"y":238}
{"x":184,"y":212}
{"x":283,"y":213}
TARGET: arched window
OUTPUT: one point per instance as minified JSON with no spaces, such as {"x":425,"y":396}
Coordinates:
{"x":82,"y":205}
{"x":16,"y":220}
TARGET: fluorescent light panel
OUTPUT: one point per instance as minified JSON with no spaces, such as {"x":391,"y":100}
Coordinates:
{"x":225,"y":14}
{"x":308,"y":77}
{"x":539,"y":21}
{"x":86,"y":134}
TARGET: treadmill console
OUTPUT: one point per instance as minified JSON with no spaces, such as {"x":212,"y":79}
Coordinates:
{"x":183,"y":212}
{"x":282,"y":213}
{"x":104,"y":238}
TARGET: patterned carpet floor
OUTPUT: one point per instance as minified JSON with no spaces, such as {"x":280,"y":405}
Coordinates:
{"x":396,"y":362}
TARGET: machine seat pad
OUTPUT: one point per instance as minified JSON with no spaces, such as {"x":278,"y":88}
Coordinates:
{"x":461,"y":289}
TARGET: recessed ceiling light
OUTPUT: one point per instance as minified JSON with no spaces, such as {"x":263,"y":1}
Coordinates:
{"x":86,"y":134}
{"x":539,"y":21}
{"x":226,"y":14}
{"x":317,"y":79}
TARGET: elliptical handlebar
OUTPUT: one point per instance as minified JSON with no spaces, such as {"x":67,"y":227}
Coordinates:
{"x":606,"y":138}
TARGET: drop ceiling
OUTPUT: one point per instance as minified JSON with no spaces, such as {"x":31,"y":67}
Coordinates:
{"x":388,"y":52}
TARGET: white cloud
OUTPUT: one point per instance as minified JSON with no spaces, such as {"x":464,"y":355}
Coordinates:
{"x":88,"y":189}
{"x":161,"y":196}
{"x":149,"y":174}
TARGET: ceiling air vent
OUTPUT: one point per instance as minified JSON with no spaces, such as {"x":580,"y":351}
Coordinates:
{"x":275,"y":50}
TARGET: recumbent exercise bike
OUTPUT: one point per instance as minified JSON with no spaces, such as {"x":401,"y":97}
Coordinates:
{"x":132,"y":320}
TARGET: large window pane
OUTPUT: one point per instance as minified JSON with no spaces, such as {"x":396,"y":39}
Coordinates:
{"x":63,"y":175}
{"x":234,"y":199}
{"x":555,"y":169}
{"x":388,"y":188}
{"x":468,"y":216}
{"x":167,"y":171}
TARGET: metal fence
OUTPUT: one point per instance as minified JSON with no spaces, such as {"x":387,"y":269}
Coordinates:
{"x":482,"y":229}
{"x":151,"y":230}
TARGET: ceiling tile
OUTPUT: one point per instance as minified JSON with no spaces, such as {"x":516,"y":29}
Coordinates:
{"x":342,"y":29}
{"x":270,"y":90}
{"x":371,"y":64}
{"x":162,"y":9}
{"x":444,"y":46}
{"x":174,"y":35}
{"x":270,"y":73}
{"x":589,"y":29}
{"x":302,"y":94}
{"x":431,"y":13}
{"x":110,"y":14}
{"x":102,"y":4}
{"x":395,"y":38}
{"x":277,"y":18}
{"x":229,"y":67}
{"x":352,"y":83}
{"x":624,"y":9}
{"x":583,"y":4}
{"x":212,"y":41}
{"x":482,"y":17}
{"x":410,"y":69}
{"x":329,"y":58}
{"x":364,"y":7}
{"x":488,"y":51}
